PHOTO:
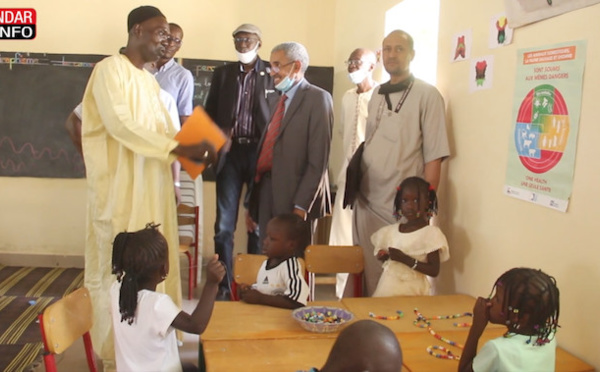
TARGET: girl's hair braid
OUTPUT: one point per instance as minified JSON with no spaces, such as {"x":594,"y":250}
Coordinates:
{"x":534,"y":293}
{"x":136,"y":258}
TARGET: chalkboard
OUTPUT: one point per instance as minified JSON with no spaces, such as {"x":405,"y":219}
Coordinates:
{"x":202,"y":70}
{"x":321,"y":77}
{"x":40,"y":90}
{"x":38,"y":93}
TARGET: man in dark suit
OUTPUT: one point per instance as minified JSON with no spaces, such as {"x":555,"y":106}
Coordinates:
{"x":294,"y":149}
{"x":238,"y":101}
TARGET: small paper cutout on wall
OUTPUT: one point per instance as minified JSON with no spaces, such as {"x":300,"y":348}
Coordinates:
{"x":500,"y":32}
{"x":481,"y":73}
{"x":461,"y":46}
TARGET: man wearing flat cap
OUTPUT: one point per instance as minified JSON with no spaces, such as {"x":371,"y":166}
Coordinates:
{"x":128,"y":147}
{"x":238,"y":101}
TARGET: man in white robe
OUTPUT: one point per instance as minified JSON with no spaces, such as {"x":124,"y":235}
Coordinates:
{"x":353,"y":121}
{"x":128,"y":148}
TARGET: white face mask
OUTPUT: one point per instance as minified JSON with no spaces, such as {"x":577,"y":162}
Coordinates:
{"x":358,"y":76}
{"x":247,"y":57}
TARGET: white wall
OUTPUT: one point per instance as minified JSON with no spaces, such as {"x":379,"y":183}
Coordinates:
{"x":488,"y":232}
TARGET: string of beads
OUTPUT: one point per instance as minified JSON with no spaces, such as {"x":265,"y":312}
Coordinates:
{"x":391,"y":317}
{"x":424,"y":322}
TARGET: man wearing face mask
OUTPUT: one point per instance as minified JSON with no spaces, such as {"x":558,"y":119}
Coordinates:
{"x":239,"y":102}
{"x":294,"y":150}
{"x":352,"y":127}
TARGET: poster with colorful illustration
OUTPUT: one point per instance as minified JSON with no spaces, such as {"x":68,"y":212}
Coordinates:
{"x":500,"y":32}
{"x":546,"y":110}
{"x":481,"y":73}
{"x":461,"y":46}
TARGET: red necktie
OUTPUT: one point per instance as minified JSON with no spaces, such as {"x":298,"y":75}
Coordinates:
{"x":265,"y":158}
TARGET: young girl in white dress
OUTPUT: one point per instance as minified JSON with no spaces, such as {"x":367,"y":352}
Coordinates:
{"x":410,"y":249}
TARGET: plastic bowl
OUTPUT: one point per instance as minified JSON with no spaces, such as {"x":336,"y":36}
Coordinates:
{"x":322,"y":319}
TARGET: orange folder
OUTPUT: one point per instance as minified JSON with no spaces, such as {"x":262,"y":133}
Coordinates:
{"x":197,"y":128}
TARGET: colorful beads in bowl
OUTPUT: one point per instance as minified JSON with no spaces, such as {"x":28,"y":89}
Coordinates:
{"x":322,"y":319}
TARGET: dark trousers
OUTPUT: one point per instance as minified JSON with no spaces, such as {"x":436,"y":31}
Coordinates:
{"x":265,"y":204}
{"x":238,"y":169}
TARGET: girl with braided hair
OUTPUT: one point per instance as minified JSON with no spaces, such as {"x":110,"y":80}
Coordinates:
{"x":411,"y":249}
{"x":526,"y":301}
{"x":144,"y":320}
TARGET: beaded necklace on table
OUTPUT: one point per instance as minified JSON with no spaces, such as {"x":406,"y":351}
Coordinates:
{"x":427,"y":324}
{"x":424,"y":322}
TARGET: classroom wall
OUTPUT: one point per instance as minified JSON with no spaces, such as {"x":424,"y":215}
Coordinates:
{"x":488,"y":232}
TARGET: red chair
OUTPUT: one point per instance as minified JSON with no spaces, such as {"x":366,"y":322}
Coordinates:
{"x":65,"y":321}
{"x":188,"y":245}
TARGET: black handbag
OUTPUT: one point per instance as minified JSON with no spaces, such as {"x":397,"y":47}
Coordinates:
{"x":353,"y":176}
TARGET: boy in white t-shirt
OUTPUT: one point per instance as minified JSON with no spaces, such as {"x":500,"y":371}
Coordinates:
{"x":280,"y":280}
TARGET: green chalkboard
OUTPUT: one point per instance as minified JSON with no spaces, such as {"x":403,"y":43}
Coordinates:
{"x":38,"y":93}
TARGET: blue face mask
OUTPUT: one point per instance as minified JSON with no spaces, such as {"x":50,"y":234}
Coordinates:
{"x":285,"y":84}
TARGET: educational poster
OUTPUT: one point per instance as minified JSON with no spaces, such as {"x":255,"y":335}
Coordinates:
{"x":481,"y":73}
{"x":522,"y":12}
{"x":546,"y":110}
{"x":500,"y":32}
{"x":461,"y":42}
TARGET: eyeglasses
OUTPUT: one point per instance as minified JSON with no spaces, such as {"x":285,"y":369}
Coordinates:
{"x":354,"y":62}
{"x":246,"y":40}
{"x":162,"y":34}
{"x":276,"y":69}
{"x":174,"y":40}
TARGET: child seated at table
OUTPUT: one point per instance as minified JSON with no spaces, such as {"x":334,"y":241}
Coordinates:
{"x":280,"y":280}
{"x":364,"y":345}
{"x":144,"y":321}
{"x":527,"y":302}
{"x":411,"y":249}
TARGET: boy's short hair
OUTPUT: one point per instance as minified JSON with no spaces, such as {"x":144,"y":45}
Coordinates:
{"x":365,"y":345}
{"x":297,"y":230}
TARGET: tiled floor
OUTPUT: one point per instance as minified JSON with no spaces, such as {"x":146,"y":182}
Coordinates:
{"x":73,"y":360}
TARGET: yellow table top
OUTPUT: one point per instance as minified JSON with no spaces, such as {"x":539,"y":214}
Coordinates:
{"x":237,"y":320}
{"x":417,"y":359}
{"x":429,"y":306}
{"x":264,"y":338}
{"x":287,"y":355}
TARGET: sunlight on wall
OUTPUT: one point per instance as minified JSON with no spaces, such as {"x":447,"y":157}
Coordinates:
{"x":420,"y":18}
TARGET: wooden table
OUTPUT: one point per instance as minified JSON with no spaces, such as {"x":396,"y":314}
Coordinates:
{"x":417,"y":359}
{"x":287,"y":355}
{"x":237,"y":320}
{"x":429,"y":306}
{"x":262,"y":338}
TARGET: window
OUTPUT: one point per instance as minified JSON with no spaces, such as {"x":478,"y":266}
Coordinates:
{"x":420,"y":18}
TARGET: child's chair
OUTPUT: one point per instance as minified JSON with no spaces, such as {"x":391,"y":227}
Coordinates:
{"x":333,"y":259}
{"x":188,"y":245}
{"x":245,"y":270}
{"x":65,"y":321}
